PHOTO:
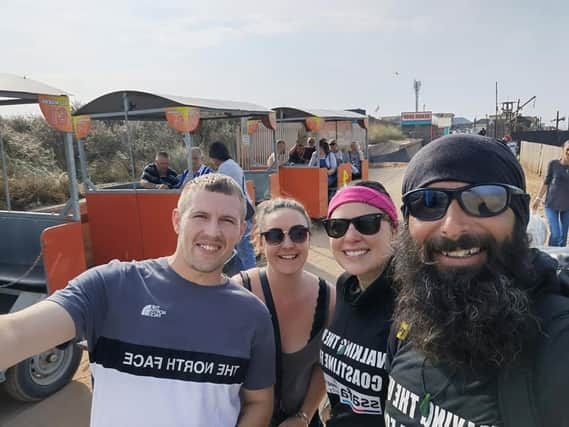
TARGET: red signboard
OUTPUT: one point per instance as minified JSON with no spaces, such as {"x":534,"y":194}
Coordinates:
{"x":183,"y":119}
{"x":252,"y":126}
{"x":422,"y":116}
{"x":56,"y":111}
{"x":270,"y":121}
{"x":314,"y":124}
{"x":81,"y":126}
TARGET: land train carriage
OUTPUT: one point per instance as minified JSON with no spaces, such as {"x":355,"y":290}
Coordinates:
{"x":39,"y":252}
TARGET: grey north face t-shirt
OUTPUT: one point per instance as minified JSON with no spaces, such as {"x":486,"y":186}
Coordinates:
{"x":166,"y":351}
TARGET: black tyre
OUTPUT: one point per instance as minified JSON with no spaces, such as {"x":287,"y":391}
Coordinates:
{"x":44,"y":374}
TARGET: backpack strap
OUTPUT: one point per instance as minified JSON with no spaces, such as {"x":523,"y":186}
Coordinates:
{"x":516,"y":394}
{"x":516,"y":385}
{"x":267,"y":294}
{"x":321,"y":311}
{"x":246,"y":280}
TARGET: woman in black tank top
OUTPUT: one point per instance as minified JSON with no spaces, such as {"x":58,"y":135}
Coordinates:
{"x":299,"y":303}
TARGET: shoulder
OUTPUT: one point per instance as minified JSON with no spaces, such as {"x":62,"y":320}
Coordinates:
{"x":116,"y":267}
{"x":249,"y":302}
{"x":554,"y":163}
{"x":151,"y":168}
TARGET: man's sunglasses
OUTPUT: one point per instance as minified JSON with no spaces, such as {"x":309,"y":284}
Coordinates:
{"x":296,"y":233}
{"x":365,"y":224}
{"x":479,"y":200}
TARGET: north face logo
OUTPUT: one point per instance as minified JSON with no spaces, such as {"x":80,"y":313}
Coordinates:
{"x":153,"y":311}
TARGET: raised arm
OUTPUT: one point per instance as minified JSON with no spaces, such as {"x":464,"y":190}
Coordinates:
{"x":33,"y":330}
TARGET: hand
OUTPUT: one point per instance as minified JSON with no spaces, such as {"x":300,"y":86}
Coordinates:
{"x":293,"y":422}
{"x":162,"y":187}
{"x":535,"y":204}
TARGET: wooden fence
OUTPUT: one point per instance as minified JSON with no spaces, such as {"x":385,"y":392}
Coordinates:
{"x":535,"y":157}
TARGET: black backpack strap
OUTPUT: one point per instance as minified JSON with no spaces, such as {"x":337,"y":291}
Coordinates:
{"x":516,"y":390}
{"x":321,"y":311}
{"x":245,"y":279}
{"x":278,"y":346}
{"x":516,"y":394}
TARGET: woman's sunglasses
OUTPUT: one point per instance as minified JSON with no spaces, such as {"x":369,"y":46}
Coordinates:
{"x":479,"y":200}
{"x":365,"y":224}
{"x":296,"y":233}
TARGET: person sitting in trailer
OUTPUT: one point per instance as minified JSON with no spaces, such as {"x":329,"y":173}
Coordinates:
{"x":310,"y":149}
{"x":355,"y":157}
{"x":296,"y":154}
{"x":325,"y":159}
{"x":198,"y":167}
{"x":158,"y":175}
{"x":282,"y":157}
{"x":336,"y":151}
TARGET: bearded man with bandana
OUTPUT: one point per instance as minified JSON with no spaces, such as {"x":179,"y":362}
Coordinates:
{"x":481,"y":332}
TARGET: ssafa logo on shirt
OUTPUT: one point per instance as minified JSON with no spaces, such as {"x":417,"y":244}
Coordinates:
{"x":359,"y":402}
{"x":153,"y":311}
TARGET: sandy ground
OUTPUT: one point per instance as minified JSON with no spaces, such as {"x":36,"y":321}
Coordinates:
{"x":71,"y":406}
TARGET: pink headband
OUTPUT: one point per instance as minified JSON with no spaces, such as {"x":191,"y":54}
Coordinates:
{"x":360,"y":194}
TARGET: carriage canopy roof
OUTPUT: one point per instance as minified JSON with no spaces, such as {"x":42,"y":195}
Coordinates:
{"x":15,"y":90}
{"x":151,"y":106}
{"x":294,"y":113}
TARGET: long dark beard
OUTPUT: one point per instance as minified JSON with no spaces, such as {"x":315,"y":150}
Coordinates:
{"x":465,"y":317}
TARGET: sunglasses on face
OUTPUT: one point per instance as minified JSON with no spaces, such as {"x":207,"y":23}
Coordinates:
{"x":365,"y":224}
{"x":479,"y":200}
{"x":275,"y":236}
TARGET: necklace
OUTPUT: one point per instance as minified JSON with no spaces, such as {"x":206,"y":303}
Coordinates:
{"x":425,"y":405}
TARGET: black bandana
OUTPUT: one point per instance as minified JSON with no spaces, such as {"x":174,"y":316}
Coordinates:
{"x":472,"y":159}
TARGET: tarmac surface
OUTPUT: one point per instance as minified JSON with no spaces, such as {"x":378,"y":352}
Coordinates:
{"x":70,"y":407}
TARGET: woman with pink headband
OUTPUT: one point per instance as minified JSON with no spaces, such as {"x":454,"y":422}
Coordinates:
{"x":362,"y":221}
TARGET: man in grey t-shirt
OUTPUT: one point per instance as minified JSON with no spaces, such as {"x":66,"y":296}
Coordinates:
{"x":171,"y":340}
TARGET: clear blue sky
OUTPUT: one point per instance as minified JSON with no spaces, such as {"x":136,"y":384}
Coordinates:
{"x":328,"y":54}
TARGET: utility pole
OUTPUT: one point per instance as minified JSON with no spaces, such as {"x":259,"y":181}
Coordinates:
{"x":496,"y":119}
{"x":417,"y":87}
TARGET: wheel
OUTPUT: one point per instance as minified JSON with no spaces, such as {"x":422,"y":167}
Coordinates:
{"x":44,"y":374}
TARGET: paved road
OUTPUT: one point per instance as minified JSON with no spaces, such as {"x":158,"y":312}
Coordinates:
{"x":71,"y":406}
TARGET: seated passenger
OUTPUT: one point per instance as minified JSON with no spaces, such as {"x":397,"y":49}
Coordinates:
{"x":198,"y":167}
{"x":325,"y":159}
{"x":282,"y":157}
{"x":296,"y":154}
{"x":158,"y":175}
{"x":336,"y":151}
{"x":310,"y":149}
{"x":355,"y":157}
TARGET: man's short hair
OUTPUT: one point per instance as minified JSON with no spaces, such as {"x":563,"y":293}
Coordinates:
{"x":333,"y":142}
{"x":214,"y":183}
{"x":198,"y":151}
{"x":281,"y":141}
{"x":219,"y":151}
{"x":163,"y":154}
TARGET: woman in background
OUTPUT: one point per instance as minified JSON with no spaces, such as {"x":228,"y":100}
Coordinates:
{"x":555,"y":187}
{"x":323,"y":158}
